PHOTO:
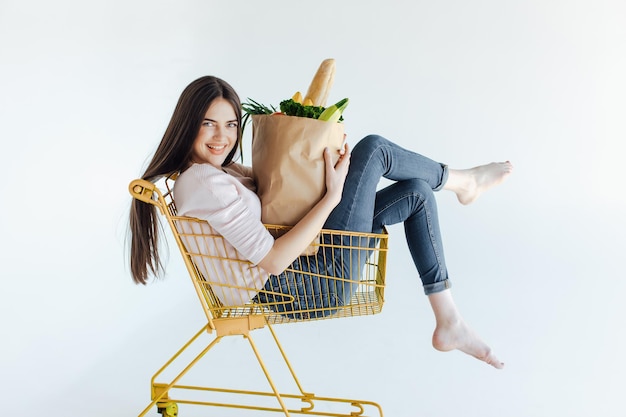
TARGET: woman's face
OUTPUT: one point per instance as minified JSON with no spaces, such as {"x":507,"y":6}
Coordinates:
{"x":217,"y":135}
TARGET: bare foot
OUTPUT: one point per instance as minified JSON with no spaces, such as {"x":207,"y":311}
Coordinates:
{"x":451,"y":331}
{"x":458,"y":335}
{"x":469,"y":184}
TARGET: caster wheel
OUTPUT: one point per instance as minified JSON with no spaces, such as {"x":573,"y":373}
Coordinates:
{"x":168,"y":410}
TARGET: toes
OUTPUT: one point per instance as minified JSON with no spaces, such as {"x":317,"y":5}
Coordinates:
{"x":491,"y":359}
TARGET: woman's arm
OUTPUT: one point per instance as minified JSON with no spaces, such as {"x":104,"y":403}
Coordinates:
{"x":290,"y":245}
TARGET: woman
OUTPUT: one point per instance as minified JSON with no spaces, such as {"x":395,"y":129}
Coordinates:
{"x":201,"y":141}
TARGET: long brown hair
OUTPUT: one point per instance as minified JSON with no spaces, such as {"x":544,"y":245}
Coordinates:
{"x":174,"y":155}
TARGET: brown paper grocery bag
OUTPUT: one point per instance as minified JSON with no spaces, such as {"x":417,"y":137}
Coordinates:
{"x":288,"y":164}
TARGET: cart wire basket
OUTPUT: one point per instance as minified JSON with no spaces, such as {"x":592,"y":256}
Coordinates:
{"x":343,"y":277}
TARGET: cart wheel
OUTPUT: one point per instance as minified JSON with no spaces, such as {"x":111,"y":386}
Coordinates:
{"x":168,"y":410}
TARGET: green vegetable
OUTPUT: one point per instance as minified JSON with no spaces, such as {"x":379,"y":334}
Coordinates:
{"x":289,"y":107}
{"x":293,"y":108}
{"x":252,"y":107}
{"x":333,"y":113}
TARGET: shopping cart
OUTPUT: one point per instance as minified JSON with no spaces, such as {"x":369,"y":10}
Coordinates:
{"x":211,"y":266}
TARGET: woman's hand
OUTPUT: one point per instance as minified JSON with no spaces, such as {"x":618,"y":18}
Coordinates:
{"x":336,"y":174}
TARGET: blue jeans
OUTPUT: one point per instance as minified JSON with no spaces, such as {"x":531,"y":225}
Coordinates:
{"x":363,"y":208}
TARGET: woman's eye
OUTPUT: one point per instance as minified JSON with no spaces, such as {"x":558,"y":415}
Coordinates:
{"x":232,"y":125}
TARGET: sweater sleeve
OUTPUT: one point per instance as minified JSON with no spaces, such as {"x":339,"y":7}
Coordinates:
{"x":221,"y":203}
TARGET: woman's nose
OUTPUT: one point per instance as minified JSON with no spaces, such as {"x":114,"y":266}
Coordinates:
{"x":218,"y":132}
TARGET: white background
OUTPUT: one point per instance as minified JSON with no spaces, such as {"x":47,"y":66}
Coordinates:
{"x":86,"y":91}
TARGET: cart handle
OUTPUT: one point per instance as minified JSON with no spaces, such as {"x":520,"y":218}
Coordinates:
{"x":144,"y":191}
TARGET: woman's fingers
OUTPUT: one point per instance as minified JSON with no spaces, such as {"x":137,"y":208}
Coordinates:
{"x":344,"y":146}
{"x":336,"y":174}
{"x":344,"y":156}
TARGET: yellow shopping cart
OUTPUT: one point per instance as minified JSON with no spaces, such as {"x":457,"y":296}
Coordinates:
{"x":209,"y":264}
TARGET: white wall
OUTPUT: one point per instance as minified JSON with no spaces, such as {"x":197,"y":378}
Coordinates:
{"x":86,"y":92}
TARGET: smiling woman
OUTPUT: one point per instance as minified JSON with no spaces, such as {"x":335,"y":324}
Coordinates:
{"x":199,"y":145}
{"x":218,"y":134}
{"x":174,"y":154}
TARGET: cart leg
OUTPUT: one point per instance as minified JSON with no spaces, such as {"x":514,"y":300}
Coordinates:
{"x":284,"y":355}
{"x":162,"y":396}
{"x":267,"y":375}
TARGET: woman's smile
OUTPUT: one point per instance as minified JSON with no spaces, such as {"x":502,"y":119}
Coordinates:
{"x":217,"y":149}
